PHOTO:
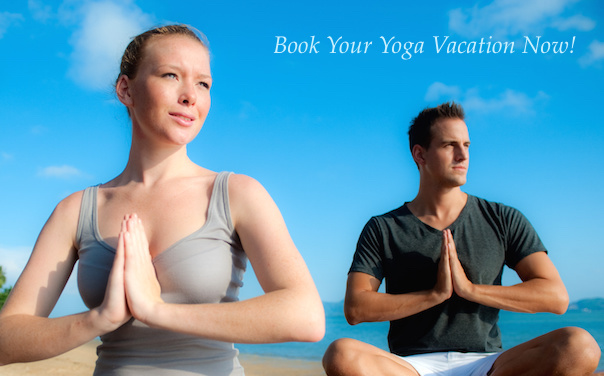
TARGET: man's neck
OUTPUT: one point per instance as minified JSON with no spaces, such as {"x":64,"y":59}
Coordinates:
{"x":438,"y":209}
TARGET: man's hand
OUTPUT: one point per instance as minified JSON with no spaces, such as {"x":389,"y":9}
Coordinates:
{"x":541,"y":289}
{"x":461,"y":284}
{"x":444,"y":282}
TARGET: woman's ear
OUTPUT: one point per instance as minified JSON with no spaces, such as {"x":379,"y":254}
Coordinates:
{"x":123,"y":90}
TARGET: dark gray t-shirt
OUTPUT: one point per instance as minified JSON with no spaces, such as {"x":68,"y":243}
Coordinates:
{"x":404,"y":251}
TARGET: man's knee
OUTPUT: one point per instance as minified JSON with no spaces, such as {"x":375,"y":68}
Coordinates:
{"x":582,"y":343}
{"x":339,"y":355}
{"x":577,"y":347}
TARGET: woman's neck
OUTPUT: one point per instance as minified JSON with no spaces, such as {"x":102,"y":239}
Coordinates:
{"x":150,"y":165}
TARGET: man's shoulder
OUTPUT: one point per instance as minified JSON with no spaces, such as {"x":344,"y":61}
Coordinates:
{"x":391,"y":221}
{"x":401,"y":210}
{"x":392,"y":215}
{"x":491,"y":207}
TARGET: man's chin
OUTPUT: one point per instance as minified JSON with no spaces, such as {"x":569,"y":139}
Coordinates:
{"x":455,"y":183}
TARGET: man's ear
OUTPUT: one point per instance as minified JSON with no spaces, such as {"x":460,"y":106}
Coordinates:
{"x":123,"y":90}
{"x":418,"y":154}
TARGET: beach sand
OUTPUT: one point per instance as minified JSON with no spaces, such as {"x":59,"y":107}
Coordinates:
{"x":80,"y":362}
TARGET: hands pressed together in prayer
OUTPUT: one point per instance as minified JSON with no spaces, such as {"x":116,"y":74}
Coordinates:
{"x":132,"y":289}
{"x":451,"y":275}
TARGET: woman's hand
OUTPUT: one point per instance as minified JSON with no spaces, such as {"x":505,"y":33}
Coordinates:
{"x":114,"y":310}
{"x":142,"y":287}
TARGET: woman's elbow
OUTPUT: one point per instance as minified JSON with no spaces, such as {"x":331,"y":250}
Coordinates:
{"x":315,"y":324}
{"x":315,"y":332}
{"x":311,"y":327}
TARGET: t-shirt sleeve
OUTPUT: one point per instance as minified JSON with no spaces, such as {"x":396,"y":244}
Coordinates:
{"x":369,"y":253}
{"x":522,"y":239}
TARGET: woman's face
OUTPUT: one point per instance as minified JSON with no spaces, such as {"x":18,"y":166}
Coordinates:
{"x":169,"y":98}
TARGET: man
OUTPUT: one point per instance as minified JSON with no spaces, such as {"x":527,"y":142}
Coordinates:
{"x":442,"y":256}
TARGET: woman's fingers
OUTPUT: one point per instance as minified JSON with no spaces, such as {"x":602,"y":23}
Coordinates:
{"x":114,"y":309}
{"x":142,"y":288}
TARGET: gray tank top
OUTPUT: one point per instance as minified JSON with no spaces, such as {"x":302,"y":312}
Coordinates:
{"x":204,"y":267}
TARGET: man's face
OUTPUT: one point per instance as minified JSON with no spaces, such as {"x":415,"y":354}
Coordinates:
{"x":446,"y":161}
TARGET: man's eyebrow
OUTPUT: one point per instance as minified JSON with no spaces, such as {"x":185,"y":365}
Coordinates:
{"x":452,"y":141}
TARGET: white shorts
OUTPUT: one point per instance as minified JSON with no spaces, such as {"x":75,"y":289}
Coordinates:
{"x":452,"y":363}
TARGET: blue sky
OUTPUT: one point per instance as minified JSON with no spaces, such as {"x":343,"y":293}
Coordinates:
{"x":324,"y":132}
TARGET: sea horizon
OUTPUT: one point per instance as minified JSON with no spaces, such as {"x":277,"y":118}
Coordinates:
{"x":515,"y":327}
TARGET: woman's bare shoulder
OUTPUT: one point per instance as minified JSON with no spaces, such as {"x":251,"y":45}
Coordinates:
{"x":243,"y":183}
{"x":249,"y":199}
{"x":70,"y":204}
{"x":243,"y":188}
{"x":67,"y":212}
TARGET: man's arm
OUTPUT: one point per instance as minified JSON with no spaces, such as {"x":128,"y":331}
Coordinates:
{"x":541,"y":289}
{"x":363,"y":302}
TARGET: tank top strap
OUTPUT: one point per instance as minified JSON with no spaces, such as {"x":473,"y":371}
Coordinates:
{"x":87,"y":211}
{"x":219,"y":210}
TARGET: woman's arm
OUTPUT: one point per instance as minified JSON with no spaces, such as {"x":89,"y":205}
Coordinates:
{"x":26,"y":332}
{"x":290,"y":309}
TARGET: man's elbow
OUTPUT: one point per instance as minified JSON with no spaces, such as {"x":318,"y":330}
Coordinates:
{"x":560,"y":304}
{"x":557,"y":301}
{"x":353,"y":314}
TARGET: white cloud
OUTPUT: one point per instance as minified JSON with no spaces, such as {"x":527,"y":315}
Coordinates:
{"x":103,"y":34}
{"x":40,"y":11}
{"x":577,"y":22}
{"x":7,"y":20}
{"x":13,"y":261}
{"x":509,"y":101}
{"x":62,"y":172}
{"x":438,"y":90}
{"x":6,"y":156}
{"x":595,"y":54}
{"x":510,"y":18}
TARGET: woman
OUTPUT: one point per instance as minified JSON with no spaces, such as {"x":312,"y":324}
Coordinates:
{"x":163,"y":246}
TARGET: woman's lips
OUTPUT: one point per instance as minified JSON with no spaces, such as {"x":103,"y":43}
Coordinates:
{"x":184,"y":119}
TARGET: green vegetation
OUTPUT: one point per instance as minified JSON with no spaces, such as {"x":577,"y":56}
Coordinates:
{"x":3,"y":292}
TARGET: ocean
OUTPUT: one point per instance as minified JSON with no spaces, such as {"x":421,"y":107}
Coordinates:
{"x":515,"y":327}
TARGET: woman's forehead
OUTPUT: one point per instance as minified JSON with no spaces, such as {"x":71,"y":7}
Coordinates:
{"x":165,"y":46}
{"x":175,"y":49}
